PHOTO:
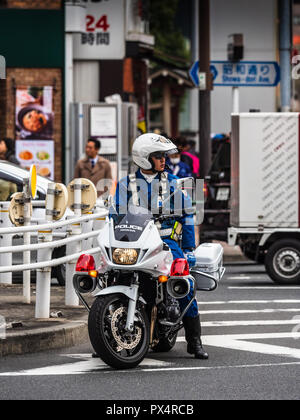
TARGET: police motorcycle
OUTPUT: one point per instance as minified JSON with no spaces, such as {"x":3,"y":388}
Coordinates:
{"x":137,"y":287}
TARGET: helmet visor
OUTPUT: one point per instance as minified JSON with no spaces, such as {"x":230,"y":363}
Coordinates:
{"x":161,"y":155}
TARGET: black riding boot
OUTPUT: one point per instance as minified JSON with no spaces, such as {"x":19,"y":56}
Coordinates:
{"x":192,"y":328}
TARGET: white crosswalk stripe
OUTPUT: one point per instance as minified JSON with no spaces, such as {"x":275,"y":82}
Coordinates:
{"x":267,"y":288}
{"x":251,"y":311}
{"x":242,"y":302}
{"x":87,"y":365}
{"x":285,"y":316}
{"x":259,"y":323}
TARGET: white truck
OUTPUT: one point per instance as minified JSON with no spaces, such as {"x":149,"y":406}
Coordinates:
{"x":265,"y":191}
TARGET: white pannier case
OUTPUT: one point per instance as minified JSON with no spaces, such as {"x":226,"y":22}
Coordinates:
{"x":209,"y":266}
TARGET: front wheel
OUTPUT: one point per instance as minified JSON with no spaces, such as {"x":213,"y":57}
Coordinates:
{"x":283,"y":261}
{"x":117,"y":347}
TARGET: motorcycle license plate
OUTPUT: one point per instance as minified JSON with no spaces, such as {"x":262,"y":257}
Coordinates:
{"x":223,"y":194}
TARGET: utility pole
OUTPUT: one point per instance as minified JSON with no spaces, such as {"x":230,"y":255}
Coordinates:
{"x":285,"y":54}
{"x":205,"y":95}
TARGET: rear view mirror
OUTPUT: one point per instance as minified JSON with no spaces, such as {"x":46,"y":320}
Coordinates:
{"x":206,"y":282}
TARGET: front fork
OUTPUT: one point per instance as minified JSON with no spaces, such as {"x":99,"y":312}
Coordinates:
{"x":132,"y":308}
{"x":132,"y":304}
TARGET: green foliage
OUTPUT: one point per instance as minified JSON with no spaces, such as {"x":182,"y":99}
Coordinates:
{"x":168,"y":38}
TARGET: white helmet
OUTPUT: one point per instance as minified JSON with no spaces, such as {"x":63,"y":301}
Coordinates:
{"x":147,"y":144}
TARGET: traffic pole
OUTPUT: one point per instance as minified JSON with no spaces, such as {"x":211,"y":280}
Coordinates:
{"x":205,"y":95}
{"x":74,"y":247}
{"x":27,"y":240}
{"x":43,"y":281}
{"x":285,"y":47}
{"x":5,"y":241}
{"x":235,"y":100}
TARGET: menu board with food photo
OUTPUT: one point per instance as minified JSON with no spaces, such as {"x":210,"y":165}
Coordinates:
{"x":39,"y":153}
{"x":34,"y":113}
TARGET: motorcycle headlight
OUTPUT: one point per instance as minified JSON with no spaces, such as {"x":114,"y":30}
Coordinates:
{"x":125,"y":256}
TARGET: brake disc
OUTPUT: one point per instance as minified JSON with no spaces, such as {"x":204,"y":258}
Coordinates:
{"x":125,"y":340}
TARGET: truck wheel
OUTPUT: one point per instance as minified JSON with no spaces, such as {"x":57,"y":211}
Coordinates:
{"x":283,"y":261}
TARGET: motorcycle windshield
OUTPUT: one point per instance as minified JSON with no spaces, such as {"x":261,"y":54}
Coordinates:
{"x":130,"y":227}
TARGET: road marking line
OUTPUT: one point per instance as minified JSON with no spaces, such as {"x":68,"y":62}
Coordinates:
{"x":77,"y":368}
{"x":249,"y":323}
{"x":251,"y":302}
{"x":256,"y":336}
{"x":250,"y":311}
{"x":177,"y":369}
{"x":263,"y":287}
{"x":236,"y":342}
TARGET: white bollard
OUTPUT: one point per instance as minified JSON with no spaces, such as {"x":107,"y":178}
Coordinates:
{"x":43,"y":280}
{"x":27,"y":241}
{"x":5,"y":241}
{"x":73,"y":248}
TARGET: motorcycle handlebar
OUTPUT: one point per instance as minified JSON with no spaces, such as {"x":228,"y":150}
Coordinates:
{"x":163,"y":217}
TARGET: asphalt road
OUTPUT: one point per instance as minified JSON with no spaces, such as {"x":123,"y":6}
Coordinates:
{"x":251,"y":330}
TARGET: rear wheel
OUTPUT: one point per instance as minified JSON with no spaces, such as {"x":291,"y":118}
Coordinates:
{"x":117,"y":347}
{"x":283,"y":261}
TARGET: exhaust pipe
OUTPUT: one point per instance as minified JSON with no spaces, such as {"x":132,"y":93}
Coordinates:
{"x":178,"y":287}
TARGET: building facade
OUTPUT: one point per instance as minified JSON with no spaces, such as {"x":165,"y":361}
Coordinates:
{"x":110,"y":57}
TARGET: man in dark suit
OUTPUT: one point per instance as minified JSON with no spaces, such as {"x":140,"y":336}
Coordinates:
{"x":94,"y":167}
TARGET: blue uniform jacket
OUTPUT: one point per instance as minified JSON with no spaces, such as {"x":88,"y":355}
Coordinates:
{"x":123,"y":195}
{"x":181,"y":170}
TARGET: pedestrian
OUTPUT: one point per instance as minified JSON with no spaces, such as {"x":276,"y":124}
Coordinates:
{"x":94,"y":167}
{"x":182,"y":143}
{"x":192,"y":150}
{"x":188,"y":156}
{"x":7,"y":151}
{"x":175,"y":166}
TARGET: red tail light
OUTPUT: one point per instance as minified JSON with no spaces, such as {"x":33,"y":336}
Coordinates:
{"x":180,"y":268}
{"x":85,"y":263}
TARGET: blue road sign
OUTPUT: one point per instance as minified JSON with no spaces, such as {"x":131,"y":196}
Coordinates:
{"x":243,"y":73}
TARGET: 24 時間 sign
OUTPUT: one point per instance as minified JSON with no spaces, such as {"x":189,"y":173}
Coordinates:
{"x":104,"y":37}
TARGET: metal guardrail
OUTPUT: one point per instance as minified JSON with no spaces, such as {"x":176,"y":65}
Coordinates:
{"x":53,"y":263}
{"x":76,"y":238}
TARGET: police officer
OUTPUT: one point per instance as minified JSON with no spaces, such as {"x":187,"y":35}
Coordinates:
{"x":149,"y":154}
